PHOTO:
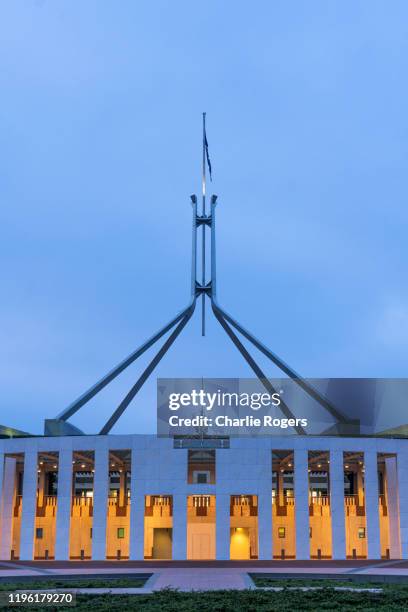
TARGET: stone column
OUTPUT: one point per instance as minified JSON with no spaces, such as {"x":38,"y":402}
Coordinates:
{"x":279,"y":480}
{"x":360,"y":486}
{"x":265,"y":524}
{"x":337,"y":505}
{"x":402,"y":470}
{"x":179,"y":526}
{"x":122,"y":487}
{"x":137,"y":507}
{"x":223,"y":521}
{"x":41,"y":486}
{"x":371,"y":505}
{"x":29,"y":502}
{"x":301,"y":481}
{"x":391,"y":494}
{"x":7,"y":505}
{"x":64,"y":502}
{"x":100,"y":504}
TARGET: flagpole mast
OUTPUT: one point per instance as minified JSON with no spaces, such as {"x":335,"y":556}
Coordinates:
{"x":203,"y":235}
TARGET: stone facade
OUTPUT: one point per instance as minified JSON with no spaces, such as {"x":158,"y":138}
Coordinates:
{"x":139,"y":497}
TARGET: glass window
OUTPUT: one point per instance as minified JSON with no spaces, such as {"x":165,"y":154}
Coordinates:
{"x":121,"y":532}
{"x":281,"y":532}
{"x":201,"y":461}
{"x":361,"y":532}
{"x":39,"y":533}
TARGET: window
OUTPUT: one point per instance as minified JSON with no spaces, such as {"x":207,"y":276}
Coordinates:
{"x":39,"y":533}
{"x":121,"y":533}
{"x":90,"y":533}
{"x":310,"y":532}
{"x":361,"y":532}
{"x":281,"y":532}
{"x":201,"y":466}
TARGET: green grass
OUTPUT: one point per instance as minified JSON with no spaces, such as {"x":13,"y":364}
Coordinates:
{"x":243,"y":601}
{"x":272,"y":580}
{"x":393,"y":597}
{"x":75,"y":583}
{"x":265,"y":580}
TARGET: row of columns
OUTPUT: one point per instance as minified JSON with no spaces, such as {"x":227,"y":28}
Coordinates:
{"x":397,"y":472}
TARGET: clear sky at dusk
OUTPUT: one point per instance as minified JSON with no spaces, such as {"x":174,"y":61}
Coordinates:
{"x":100,"y":120}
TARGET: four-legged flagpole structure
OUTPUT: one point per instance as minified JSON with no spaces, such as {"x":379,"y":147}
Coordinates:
{"x":204,"y":289}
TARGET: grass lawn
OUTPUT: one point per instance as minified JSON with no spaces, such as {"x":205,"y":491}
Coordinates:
{"x":266,"y":580}
{"x":393,"y":597}
{"x":75,"y":583}
{"x":242,"y":601}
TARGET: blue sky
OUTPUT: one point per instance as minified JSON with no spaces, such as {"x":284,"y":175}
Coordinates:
{"x":100,"y":120}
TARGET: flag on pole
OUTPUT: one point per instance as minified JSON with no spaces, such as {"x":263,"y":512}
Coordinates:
{"x":207,"y":154}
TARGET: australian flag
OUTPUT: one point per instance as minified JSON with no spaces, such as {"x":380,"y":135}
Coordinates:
{"x":207,"y":154}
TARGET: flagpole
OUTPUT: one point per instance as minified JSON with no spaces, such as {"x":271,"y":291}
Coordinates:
{"x":203,"y":235}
